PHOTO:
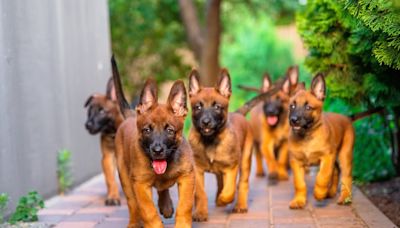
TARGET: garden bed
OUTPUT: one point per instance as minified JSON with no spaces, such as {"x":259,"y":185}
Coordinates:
{"x":386,"y":196}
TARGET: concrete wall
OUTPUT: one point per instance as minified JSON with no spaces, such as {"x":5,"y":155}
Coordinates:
{"x":53,"y":55}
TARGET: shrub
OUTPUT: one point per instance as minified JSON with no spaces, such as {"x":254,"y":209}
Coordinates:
{"x":27,"y":208}
{"x":64,"y":170}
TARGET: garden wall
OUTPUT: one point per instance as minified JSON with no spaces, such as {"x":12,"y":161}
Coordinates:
{"x":54,"y":54}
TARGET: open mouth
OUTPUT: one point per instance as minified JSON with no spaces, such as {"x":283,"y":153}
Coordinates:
{"x":272,"y":120}
{"x":207,"y":131}
{"x":159,"y":166}
{"x":296,"y":128}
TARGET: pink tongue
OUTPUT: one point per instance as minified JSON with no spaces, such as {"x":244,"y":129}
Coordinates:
{"x":272,"y":120}
{"x":159,"y":166}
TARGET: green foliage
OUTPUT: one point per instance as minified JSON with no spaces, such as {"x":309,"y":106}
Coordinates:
{"x":146,"y":38}
{"x":3,"y":206}
{"x":372,"y":159}
{"x":250,"y":48}
{"x":345,"y":48}
{"x":27,"y":208}
{"x":64,"y":170}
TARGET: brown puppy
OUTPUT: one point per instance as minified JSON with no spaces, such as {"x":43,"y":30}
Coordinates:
{"x":270,"y":125}
{"x":152,"y":152}
{"x":318,"y":138}
{"x":104,"y":118}
{"x":221,"y":142}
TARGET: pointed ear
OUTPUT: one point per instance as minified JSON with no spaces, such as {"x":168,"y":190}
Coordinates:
{"x":90,"y":99}
{"x":224,"y":85}
{"x":148,"y":97}
{"x":318,"y":87}
{"x":266,"y":84}
{"x":286,"y":86}
{"x":110,"y":92}
{"x":177,"y":99}
{"x":194,"y":82}
{"x":293,"y":75}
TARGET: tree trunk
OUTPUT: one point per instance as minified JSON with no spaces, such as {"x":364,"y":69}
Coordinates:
{"x":396,"y":134}
{"x":205,"y":46}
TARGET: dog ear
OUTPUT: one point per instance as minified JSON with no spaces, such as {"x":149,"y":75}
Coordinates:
{"x":266,"y":84}
{"x":110,"y":91}
{"x":286,"y":86}
{"x":194,"y":82}
{"x":90,"y":99}
{"x":177,"y":99}
{"x":318,"y":87}
{"x":293,"y":75}
{"x":224,"y":85}
{"x":148,"y":97}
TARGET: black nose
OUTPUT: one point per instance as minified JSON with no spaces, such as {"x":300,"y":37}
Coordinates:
{"x":157,"y":149}
{"x":206,"y":121}
{"x":294,"y":120}
{"x":88,"y":124}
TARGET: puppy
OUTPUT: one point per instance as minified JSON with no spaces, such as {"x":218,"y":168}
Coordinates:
{"x":270,"y":125}
{"x":152,"y":152}
{"x":319,"y":138}
{"x":104,"y":118}
{"x":221,"y":143}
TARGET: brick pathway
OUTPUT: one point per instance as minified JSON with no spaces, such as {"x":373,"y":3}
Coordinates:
{"x":268,"y":207}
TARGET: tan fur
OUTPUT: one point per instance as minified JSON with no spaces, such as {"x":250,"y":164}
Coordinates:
{"x":268,"y":139}
{"x":226,"y":159}
{"x":138,"y":178}
{"x":108,"y":148}
{"x":331,"y":139}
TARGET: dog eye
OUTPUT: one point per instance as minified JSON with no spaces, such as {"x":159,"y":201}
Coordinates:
{"x":170,"y":131}
{"x":146,"y":130}
{"x":217,"y":106}
{"x":292,"y":106}
{"x":198,"y":107}
{"x":308,"y":107}
{"x":102,"y":111}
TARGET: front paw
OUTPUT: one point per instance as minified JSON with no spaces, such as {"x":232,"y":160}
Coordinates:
{"x":297,"y":203}
{"x":224,"y":200}
{"x":260,"y":174}
{"x":112,"y":202}
{"x":273,"y":175}
{"x":283,"y":174}
{"x":200,"y":216}
{"x":320,"y":193}
{"x":344,"y":199}
{"x":239,"y":210}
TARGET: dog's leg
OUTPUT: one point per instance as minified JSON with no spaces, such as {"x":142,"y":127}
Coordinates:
{"x":165,"y":203}
{"x":220,"y":185}
{"x":227,"y":195}
{"x":123,"y":172}
{"x":267,"y":149}
{"x":299,"y":200}
{"x":108,"y":164}
{"x":201,"y":211}
{"x":147,"y":210}
{"x":186,"y":193}
{"x":334,"y":182}
{"x":245,"y":168}
{"x":345,"y":161}
{"x":259,"y":164}
{"x":324,"y":176}
{"x":282,"y":161}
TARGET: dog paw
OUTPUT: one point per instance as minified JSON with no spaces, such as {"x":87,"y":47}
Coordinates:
{"x":344,"y":199}
{"x":320,"y":193}
{"x":223,"y":201}
{"x":167,"y":211}
{"x":273,"y":176}
{"x":297,"y":203}
{"x":239,"y":210}
{"x":134,"y":225}
{"x":260,"y":174}
{"x":112,"y":202}
{"x":200,"y":217}
{"x":283,"y":176}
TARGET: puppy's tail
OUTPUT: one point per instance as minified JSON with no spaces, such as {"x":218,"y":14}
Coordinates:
{"x":360,"y":115}
{"x":122,"y":102}
{"x":261,"y":97}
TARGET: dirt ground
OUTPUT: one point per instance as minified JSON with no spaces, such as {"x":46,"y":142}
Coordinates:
{"x":386,"y":196}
